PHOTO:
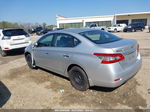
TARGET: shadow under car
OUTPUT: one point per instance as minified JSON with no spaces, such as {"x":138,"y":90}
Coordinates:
{"x":4,"y":94}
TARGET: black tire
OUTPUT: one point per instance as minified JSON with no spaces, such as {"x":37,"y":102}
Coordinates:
{"x":29,"y":61}
{"x":78,"y":78}
{"x":2,"y":53}
{"x":142,"y":29}
{"x":115,"y":30}
{"x":133,"y":30}
{"x":124,"y":30}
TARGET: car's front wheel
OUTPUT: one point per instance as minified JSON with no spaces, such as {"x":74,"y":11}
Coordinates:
{"x":29,"y":61}
{"x":133,"y":30}
{"x":78,"y":78}
{"x":2,"y":53}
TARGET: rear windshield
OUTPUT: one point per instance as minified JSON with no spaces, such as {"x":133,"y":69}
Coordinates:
{"x":99,"y":37}
{"x":14,"y":32}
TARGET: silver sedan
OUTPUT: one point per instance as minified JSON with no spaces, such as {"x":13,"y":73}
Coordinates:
{"x":88,"y":57}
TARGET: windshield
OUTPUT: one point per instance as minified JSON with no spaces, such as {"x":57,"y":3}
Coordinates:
{"x":114,"y":26}
{"x":14,"y":32}
{"x":99,"y":37}
{"x":132,"y":24}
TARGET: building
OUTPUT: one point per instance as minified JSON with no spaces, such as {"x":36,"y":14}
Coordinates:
{"x":127,"y":18}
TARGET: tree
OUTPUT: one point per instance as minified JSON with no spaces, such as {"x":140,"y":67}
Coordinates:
{"x":44,"y":25}
{"x":26,"y":26}
{"x":51,"y":26}
{"x":5,"y":24}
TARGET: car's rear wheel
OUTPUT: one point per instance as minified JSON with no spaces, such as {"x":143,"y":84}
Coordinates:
{"x":78,"y":78}
{"x":29,"y":61}
{"x":115,"y":30}
{"x":133,"y":30}
{"x":142,"y":29}
{"x":125,"y":30}
{"x":2,"y":53}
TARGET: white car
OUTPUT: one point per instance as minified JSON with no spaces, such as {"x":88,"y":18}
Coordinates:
{"x":11,"y":39}
{"x":95,"y":26}
{"x":116,"y":28}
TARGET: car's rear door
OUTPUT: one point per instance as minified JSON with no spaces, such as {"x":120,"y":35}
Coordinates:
{"x":139,"y":27}
{"x":119,"y":27}
{"x":62,"y":52}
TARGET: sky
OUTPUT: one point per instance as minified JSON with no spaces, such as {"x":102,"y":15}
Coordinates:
{"x":39,"y":11}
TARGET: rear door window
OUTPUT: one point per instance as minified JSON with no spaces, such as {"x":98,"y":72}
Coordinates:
{"x":65,"y":40}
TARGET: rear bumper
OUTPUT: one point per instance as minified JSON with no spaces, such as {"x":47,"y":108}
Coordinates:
{"x":17,"y":46}
{"x":124,"y":76}
{"x":110,"y":30}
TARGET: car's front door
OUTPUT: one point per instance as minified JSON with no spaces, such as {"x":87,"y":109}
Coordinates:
{"x":41,"y":50}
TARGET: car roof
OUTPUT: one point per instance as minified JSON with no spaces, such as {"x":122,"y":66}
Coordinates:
{"x":74,"y":30}
{"x":11,"y":29}
{"x":137,"y":23}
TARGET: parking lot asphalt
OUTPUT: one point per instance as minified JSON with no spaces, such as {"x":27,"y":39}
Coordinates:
{"x":41,"y":89}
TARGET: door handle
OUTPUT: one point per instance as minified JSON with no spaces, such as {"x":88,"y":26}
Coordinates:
{"x":66,"y":56}
{"x":46,"y":53}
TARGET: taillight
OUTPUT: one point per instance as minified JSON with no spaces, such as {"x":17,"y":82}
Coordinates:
{"x":118,"y":79}
{"x":6,"y":48}
{"x":138,"y":48}
{"x":27,"y":35}
{"x":109,"y":58}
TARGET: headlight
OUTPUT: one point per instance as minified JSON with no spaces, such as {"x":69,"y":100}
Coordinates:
{"x":129,"y":26}
{"x":6,"y":38}
{"x":27,"y":35}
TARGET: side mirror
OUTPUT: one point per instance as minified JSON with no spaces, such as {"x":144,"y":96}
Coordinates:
{"x":35,"y":44}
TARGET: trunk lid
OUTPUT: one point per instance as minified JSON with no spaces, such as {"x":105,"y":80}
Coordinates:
{"x":126,"y":47}
{"x":16,"y":40}
{"x":17,"y":36}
